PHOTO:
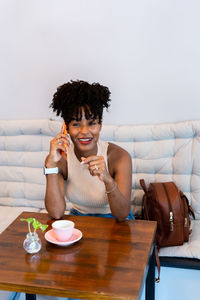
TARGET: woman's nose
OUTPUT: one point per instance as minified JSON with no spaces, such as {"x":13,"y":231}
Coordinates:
{"x":84,"y":129}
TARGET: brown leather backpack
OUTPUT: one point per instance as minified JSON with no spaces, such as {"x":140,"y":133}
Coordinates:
{"x":164,"y":203}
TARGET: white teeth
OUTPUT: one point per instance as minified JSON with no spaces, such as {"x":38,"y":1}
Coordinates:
{"x":84,"y":140}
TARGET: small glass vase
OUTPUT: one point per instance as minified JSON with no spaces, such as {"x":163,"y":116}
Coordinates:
{"x":32,"y":243}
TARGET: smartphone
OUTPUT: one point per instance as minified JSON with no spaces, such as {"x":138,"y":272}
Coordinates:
{"x":64,"y":128}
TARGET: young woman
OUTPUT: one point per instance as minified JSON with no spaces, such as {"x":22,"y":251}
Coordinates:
{"x":94,"y":175}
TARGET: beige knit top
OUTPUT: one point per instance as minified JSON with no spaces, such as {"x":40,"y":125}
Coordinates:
{"x":84,"y":191}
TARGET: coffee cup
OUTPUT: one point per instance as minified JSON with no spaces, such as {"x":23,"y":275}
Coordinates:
{"x":63,"y":229}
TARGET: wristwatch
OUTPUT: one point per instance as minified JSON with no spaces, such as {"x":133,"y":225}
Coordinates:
{"x":50,"y":171}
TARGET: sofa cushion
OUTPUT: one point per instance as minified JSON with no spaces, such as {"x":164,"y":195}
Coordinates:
{"x":190,"y":249}
{"x":24,"y":144}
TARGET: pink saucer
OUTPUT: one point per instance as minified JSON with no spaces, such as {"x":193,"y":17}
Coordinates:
{"x":76,"y":236}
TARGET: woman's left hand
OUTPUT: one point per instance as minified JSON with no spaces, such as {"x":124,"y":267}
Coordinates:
{"x":97,"y":167}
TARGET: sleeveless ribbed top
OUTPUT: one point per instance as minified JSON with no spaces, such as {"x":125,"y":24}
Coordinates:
{"x":84,"y":191}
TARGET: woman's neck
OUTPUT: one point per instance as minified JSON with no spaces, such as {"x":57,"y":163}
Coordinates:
{"x":80,"y":154}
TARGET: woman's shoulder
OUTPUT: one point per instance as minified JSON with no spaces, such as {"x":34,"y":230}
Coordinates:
{"x":117,"y":152}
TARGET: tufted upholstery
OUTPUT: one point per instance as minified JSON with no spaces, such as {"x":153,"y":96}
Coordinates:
{"x":162,"y":152}
{"x":23,"y":148}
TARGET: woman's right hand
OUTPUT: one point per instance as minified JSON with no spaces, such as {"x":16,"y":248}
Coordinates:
{"x":58,"y":148}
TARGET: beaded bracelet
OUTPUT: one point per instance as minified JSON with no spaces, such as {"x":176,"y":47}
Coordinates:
{"x":114,"y":187}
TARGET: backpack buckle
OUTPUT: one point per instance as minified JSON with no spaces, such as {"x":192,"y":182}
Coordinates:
{"x":185,"y":223}
{"x":171,"y":221}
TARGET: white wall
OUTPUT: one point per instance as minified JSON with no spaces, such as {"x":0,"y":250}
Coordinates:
{"x":146,"y":51}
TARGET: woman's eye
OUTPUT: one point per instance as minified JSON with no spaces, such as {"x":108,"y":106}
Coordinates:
{"x":92,"y":123}
{"x":75,"y":124}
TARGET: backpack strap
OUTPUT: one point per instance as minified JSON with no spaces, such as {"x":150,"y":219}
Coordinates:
{"x":145,"y":214}
{"x":143,"y":185}
{"x":190,"y":209}
{"x":157,"y":280}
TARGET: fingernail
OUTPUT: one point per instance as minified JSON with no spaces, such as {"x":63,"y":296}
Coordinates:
{"x":82,"y":163}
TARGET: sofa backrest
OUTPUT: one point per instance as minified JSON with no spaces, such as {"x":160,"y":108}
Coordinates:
{"x":163,"y":152}
{"x":24,"y":145}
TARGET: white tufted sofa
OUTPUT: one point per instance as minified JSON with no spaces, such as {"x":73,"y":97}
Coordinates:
{"x":162,"y":152}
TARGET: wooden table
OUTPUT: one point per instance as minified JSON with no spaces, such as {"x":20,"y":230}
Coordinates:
{"x":111,"y":261}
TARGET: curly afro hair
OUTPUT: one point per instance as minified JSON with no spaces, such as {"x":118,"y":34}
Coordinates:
{"x":74,"y":95}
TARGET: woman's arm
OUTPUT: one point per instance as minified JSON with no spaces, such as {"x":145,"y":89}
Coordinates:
{"x":120,"y":169}
{"x":55,"y":187}
{"x":118,"y":181}
{"x":55,"y":195}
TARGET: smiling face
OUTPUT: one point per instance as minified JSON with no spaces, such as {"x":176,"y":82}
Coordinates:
{"x":84,"y":135}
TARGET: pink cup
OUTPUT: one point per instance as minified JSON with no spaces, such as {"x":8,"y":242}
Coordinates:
{"x":63,"y":229}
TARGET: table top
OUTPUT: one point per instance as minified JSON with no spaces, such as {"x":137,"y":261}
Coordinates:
{"x":109,"y":262}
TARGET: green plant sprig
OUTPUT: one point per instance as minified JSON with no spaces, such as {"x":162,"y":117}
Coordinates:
{"x":36,"y":224}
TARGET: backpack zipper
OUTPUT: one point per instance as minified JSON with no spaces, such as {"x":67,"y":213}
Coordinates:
{"x":171,"y":215}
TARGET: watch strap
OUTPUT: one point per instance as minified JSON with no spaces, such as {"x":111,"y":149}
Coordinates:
{"x":50,"y":171}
